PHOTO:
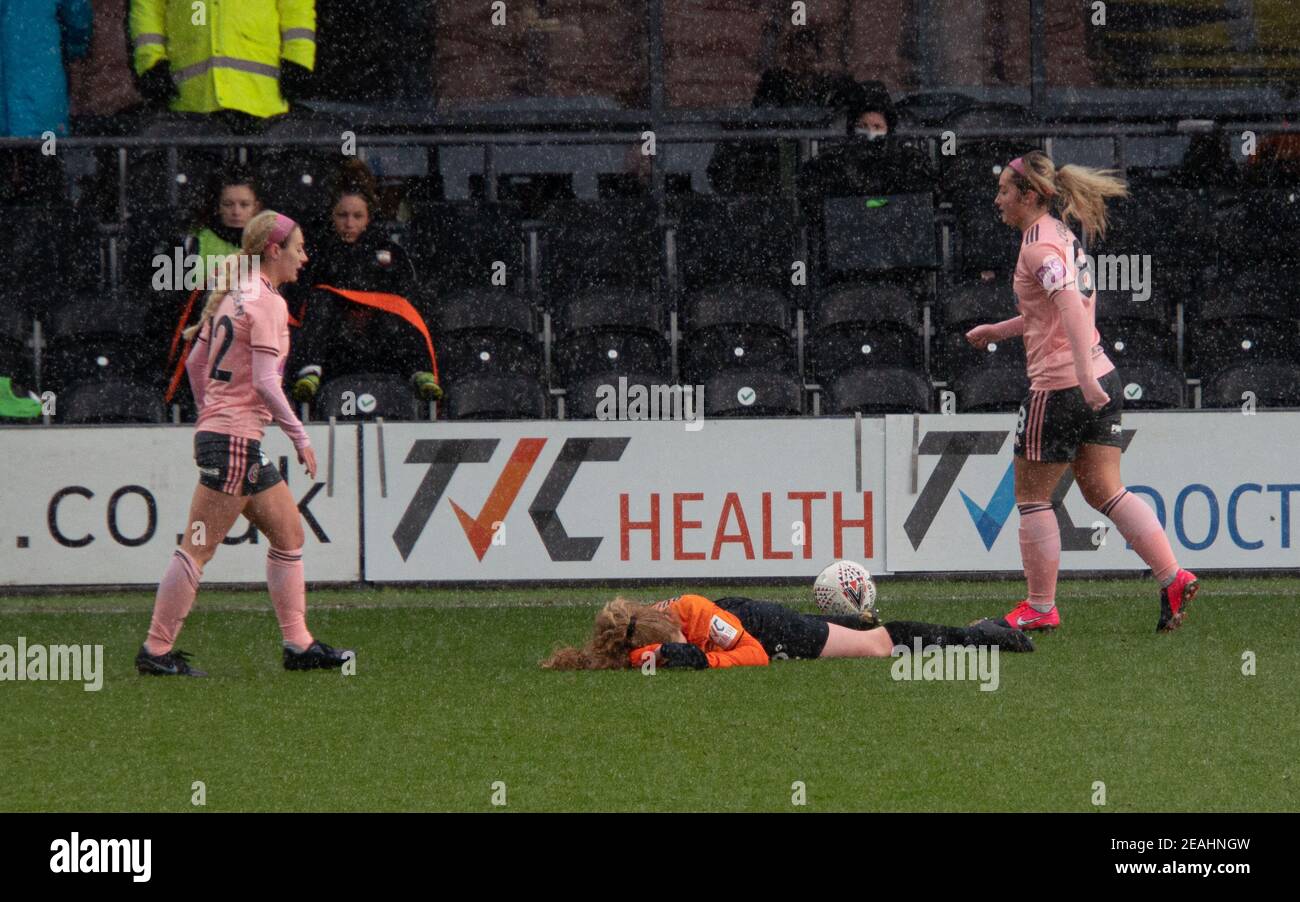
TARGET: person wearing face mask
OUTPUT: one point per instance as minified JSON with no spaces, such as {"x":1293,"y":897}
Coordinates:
{"x":359,"y":316}
{"x":870,"y":160}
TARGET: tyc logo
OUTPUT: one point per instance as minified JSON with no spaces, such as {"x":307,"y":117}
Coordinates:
{"x":953,"y":449}
{"x":443,"y":456}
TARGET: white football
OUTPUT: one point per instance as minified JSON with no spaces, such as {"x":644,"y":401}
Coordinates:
{"x":845,"y":587}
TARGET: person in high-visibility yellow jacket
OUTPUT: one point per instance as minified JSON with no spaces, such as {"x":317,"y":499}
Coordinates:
{"x":246,"y":55}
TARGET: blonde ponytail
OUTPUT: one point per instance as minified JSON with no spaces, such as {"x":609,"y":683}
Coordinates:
{"x":1083,"y":193}
{"x":1078,"y":193}
{"x":252,"y":245}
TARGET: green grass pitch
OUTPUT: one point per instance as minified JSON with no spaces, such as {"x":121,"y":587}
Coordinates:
{"x":448,"y":700}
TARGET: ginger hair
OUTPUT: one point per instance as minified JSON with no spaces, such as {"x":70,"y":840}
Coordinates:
{"x":609,"y":645}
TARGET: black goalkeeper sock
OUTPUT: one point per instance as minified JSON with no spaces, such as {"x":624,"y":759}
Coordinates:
{"x":903,"y":632}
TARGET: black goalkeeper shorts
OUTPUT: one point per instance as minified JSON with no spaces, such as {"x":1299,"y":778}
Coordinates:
{"x":783,"y":633}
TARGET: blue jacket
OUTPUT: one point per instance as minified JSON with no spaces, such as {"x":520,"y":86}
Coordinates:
{"x":35,"y":35}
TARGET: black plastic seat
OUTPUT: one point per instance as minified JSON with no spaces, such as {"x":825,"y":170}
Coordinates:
{"x":590,"y":397}
{"x":610,"y":310}
{"x":462,"y":242}
{"x":737,"y":327}
{"x":876,"y":390}
{"x":973,"y":302}
{"x":586,"y":246}
{"x":101,"y":337}
{"x":364,"y":396}
{"x":733,"y":240}
{"x":955,"y":356}
{"x":1129,"y":342}
{"x":589,"y":353}
{"x":510,"y":396}
{"x":109,"y":401}
{"x":1151,"y":385}
{"x":743,"y":392}
{"x":1214,"y":345}
{"x":486,"y":331}
{"x":991,"y":389}
{"x":878,"y":234}
{"x":1271,"y":383}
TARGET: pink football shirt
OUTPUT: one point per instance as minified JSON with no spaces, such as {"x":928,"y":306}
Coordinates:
{"x":1051,"y":259}
{"x":255,"y":318}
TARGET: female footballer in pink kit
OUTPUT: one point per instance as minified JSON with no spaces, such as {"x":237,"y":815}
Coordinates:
{"x":1072,"y":415}
{"x":235,"y":371}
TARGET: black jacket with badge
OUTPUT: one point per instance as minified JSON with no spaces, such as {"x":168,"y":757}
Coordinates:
{"x":342,"y":336}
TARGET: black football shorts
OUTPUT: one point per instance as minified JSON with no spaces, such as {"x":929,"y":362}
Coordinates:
{"x":233,"y":465}
{"x":1054,"y":423}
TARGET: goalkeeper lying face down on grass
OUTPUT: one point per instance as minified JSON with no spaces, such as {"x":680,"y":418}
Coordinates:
{"x":692,"y":631}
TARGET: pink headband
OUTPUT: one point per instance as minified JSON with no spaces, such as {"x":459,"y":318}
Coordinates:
{"x":284,"y":227}
{"x":1018,"y":166}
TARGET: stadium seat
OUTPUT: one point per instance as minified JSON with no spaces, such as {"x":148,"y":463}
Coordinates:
{"x":462,"y":242}
{"x":1271,"y":383}
{"x":1214,"y":344}
{"x":624,"y":310}
{"x":876,"y":390}
{"x":1128,"y":342}
{"x":993,"y":388}
{"x":747,"y":391}
{"x":164,"y":181}
{"x":1150,"y":384}
{"x":733,"y":240}
{"x":965,"y":306}
{"x":583,"y":396}
{"x":110,"y":400}
{"x":866,"y":325}
{"x":364,"y":396}
{"x":486,"y":331}
{"x":509,"y":396}
{"x":613,"y":353}
{"x":871,"y":235}
{"x":1270,"y":292}
{"x":101,"y":337}
{"x":296,"y":177}
{"x":1258,"y":227}
{"x":587,"y":246}
{"x":737,"y":327}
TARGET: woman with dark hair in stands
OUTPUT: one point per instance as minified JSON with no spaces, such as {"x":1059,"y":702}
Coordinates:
{"x":1072,"y":415}
{"x":360,"y":317}
{"x":232,"y":199}
{"x":236,"y":372}
{"x":693,"y":631}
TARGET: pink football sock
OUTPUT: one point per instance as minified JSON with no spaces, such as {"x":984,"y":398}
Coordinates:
{"x":173,"y":602}
{"x":1138,"y":525}
{"x":288,"y":588}
{"x":1040,"y":549}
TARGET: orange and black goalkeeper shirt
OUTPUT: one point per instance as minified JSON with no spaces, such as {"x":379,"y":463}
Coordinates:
{"x":714,"y":638}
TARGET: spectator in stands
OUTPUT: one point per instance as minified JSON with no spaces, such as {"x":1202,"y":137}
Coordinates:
{"x":231,"y":200}
{"x":760,"y":167}
{"x":870,"y":160}
{"x":359,"y":316}
{"x":35,"y":38}
{"x":247,"y":60}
